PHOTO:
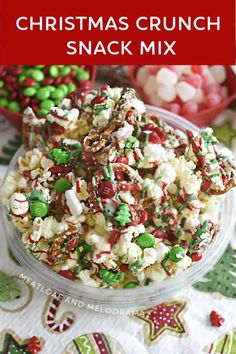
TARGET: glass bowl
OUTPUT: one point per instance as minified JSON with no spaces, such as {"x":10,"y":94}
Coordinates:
{"x":125,"y":300}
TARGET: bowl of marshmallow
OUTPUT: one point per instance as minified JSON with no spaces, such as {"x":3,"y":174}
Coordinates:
{"x":197,"y":92}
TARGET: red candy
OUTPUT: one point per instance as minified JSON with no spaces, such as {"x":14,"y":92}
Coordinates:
{"x":57,"y":129}
{"x":189,"y":108}
{"x":149,"y":126}
{"x":154,"y":138}
{"x":212,"y":88}
{"x":120,"y":176}
{"x":212,"y":99}
{"x":25,"y":102}
{"x":98,"y":99}
{"x":195,"y":80}
{"x":174,"y":107}
{"x":134,"y":216}
{"x":124,"y":268}
{"x":143,"y":216}
{"x":161,"y":134}
{"x":72,"y":244}
{"x":216,"y":319}
{"x":67,"y":274}
{"x":107,"y":189}
{"x":47,"y":81}
{"x":115,"y":236}
{"x":154,"y":69}
{"x":66,"y":80}
{"x":29,"y":82}
{"x":159,"y":234}
{"x":196,"y":257}
{"x":122,"y":159}
{"x":198,"y":69}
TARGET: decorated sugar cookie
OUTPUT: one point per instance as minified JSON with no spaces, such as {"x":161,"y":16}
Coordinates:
{"x":224,"y":344}
{"x":9,"y":289}
{"x":49,"y":314}
{"x":10,"y":343}
{"x":15,"y":294}
{"x":94,"y":343}
{"x":163,"y":318}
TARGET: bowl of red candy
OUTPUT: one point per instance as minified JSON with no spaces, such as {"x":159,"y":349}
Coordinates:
{"x":40,"y":87}
{"x":196,"y":92}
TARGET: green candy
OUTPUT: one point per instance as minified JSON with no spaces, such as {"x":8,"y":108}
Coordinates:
{"x":146,"y":240}
{"x":53,"y":71}
{"x":47,"y":105}
{"x":22,"y":78}
{"x":1,"y":83}
{"x":65,"y":70}
{"x":39,"y":66}
{"x":135,"y":266}
{"x":5,"y":93}
{"x":63,"y":88}
{"x":57,"y":94}
{"x":14,"y":106}
{"x":38,"y":209}
{"x":37,"y":75}
{"x":62,"y":185}
{"x":28,"y":72}
{"x":131,"y":285}
{"x":176,"y":254}
{"x":42,"y":112}
{"x":123,"y":215}
{"x":3,"y":102}
{"x":57,"y":102}
{"x":130,"y":144}
{"x":51,"y":88}
{"x":29,"y":91}
{"x":83,"y":248}
{"x":71,"y":87}
{"x":43,"y":93}
{"x":109,"y":276}
{"x":82,"y":74}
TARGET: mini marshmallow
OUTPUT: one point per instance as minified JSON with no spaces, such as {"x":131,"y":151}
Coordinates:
{"x":73,"y":203}
{"x":150,"y":86}
{"x":219,"y":73}
{"x":185,"y":91}
{"x":166,"y":77}
{"x":142,"y":76}
{"x":167,"y":93}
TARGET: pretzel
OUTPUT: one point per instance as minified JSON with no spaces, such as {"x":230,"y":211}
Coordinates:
{"x":230,"y":184}
{"x":99,"y":139}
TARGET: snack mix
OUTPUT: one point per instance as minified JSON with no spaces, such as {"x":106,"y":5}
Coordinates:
{"x":111,"y":196}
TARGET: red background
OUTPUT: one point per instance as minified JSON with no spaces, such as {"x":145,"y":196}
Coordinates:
{"x":195,"y":47}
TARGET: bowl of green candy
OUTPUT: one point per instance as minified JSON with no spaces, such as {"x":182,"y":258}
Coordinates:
{"x":39,"y":86}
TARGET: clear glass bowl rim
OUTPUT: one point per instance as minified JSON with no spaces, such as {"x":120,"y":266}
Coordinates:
{"x":139,"y":297}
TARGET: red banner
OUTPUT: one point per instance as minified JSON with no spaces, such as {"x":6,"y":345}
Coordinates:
{"x":148,"y":32}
